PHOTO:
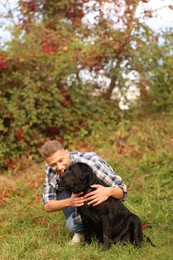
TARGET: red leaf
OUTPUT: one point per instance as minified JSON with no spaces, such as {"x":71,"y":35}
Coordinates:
{"x":148,"y":223}
{"x":121,"y":149}
{"x":45,"y":222}
{"x":19,"y":136}
{"x":3,"y":62}
{"x":33,"y":185}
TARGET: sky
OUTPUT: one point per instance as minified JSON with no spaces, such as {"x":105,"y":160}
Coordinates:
{"x":5,"y":34}
{"x":164,"y":15}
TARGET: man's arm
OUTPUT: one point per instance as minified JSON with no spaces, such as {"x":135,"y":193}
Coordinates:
{"x":73,"y":201}
{"x":116,"y":192}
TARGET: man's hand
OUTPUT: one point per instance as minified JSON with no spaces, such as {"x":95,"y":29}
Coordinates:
{"x":76,"y":200}
{"x":102,"y":194}
{"x":99,"y":195}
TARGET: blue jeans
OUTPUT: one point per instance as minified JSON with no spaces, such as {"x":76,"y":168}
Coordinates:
{"x":74,"y":226}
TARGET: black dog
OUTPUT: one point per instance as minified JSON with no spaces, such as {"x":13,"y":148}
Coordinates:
{"x":110,"y":221}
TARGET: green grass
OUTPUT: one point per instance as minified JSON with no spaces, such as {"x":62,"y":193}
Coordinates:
{"x":28,"y":232}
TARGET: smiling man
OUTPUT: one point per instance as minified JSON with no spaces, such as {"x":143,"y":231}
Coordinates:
{"x":58,"y":160}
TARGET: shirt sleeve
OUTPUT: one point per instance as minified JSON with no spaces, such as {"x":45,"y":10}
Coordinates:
{"x":110,"y":178}
{"x":49,"y":192}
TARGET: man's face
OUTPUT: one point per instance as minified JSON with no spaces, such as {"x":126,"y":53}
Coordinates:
{"x":59,"y":161}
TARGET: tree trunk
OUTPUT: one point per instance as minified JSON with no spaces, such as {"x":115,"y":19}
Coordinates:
{"x":121,"y":53}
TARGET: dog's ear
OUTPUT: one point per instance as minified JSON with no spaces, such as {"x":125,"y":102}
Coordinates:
{"x":85,"y":171}
{"x":81,"y":171}
{"x":75,"y":168}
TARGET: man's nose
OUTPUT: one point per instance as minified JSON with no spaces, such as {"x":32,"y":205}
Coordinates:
{"x":58,"y":166}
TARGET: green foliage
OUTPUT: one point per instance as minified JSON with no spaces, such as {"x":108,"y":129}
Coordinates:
{"x":156,"y":83}
{"x":162,"y":82}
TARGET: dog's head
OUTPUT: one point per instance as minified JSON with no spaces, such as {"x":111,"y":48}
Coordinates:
{"x":78,"y":177}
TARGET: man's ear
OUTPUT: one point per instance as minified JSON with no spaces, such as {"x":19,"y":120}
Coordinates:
{"x":66,"y":152}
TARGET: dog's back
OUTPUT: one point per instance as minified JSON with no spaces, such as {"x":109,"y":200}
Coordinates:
{"x":111,"y":222}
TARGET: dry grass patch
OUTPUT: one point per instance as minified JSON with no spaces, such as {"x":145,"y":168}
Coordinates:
{"x":6,"y":184}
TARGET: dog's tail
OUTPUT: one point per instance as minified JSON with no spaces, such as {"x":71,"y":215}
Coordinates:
{"x":145,"y":225}
{"x":149,"y":240}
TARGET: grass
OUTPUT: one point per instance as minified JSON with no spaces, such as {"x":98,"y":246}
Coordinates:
{"x":28,"y":232}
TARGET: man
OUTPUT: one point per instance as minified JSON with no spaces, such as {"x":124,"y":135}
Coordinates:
{"x":58,"y":160}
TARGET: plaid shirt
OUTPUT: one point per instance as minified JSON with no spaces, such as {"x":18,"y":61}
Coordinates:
{"x":100,"y":167}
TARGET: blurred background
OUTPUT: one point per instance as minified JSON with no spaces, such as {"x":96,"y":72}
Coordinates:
{"x":71,"y":70}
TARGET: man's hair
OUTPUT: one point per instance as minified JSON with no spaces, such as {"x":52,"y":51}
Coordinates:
{"x":51,"y":147}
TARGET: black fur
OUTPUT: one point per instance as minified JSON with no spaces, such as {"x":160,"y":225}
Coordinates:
{"x":110,"y":221}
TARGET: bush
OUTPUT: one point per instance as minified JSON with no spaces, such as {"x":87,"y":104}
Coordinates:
{"x":36,"y":108}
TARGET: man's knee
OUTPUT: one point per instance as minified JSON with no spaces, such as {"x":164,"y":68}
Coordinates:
{"x":74,"y":227}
